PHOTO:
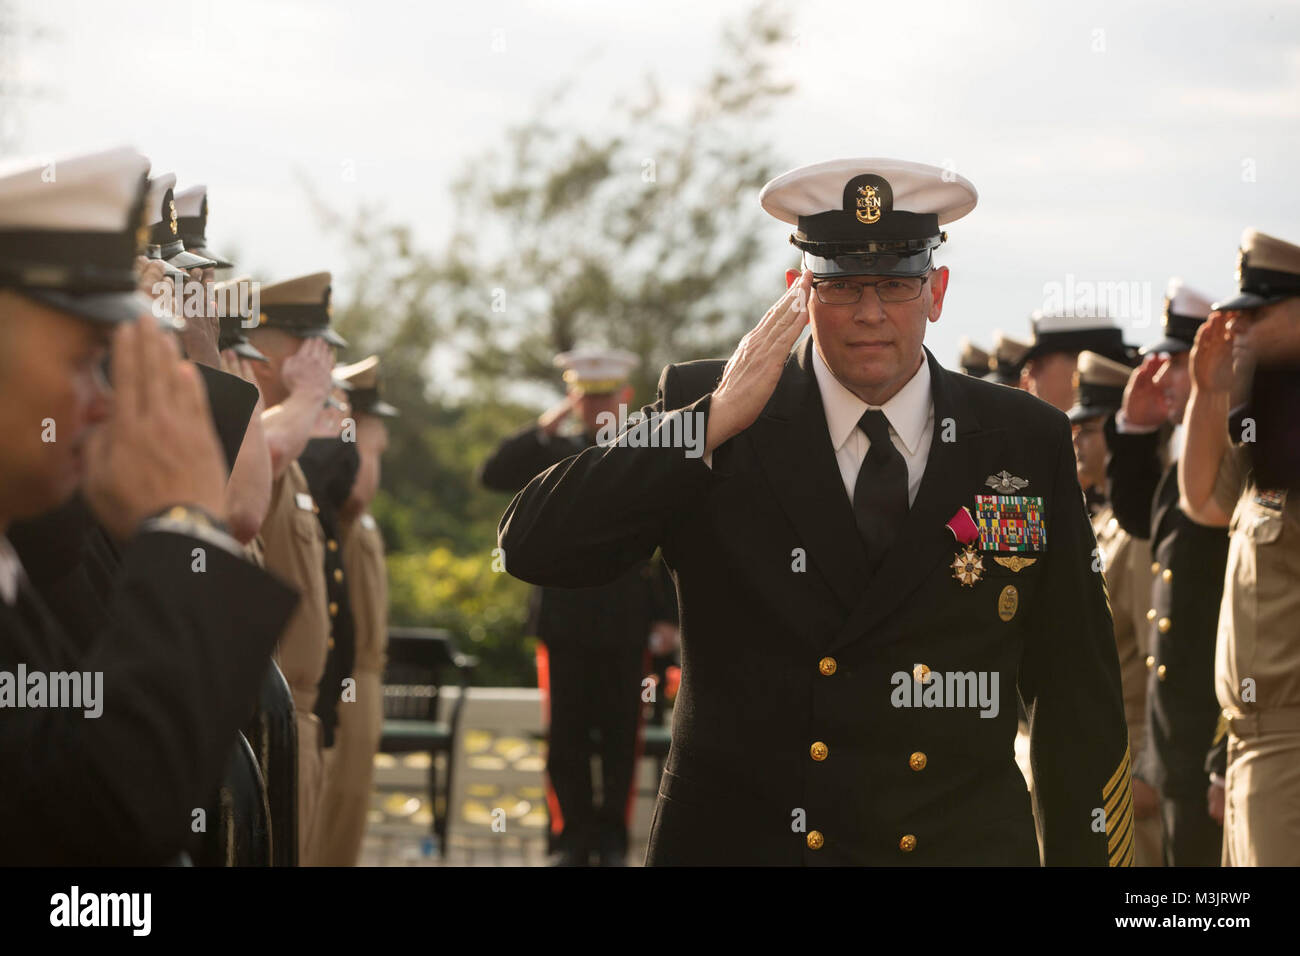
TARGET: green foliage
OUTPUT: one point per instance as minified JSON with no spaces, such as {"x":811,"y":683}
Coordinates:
{"x":486,"y":609}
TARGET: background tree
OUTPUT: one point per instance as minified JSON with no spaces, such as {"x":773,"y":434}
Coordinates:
{"x":638,"y":235}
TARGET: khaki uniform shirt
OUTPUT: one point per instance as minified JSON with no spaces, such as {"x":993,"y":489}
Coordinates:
{"x":1259,"y":622}
{"x":294,"y":547}
{"x":1127,"y":568}
{"x":363,"y":560}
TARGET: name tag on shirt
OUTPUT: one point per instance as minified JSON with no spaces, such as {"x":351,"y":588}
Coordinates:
{"x":304,"y":501}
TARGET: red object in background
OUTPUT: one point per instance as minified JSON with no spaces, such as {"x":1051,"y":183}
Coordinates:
{"x":544,"y":685}
{"x":672,"y":680}
{"x":791,"y":277}
{"x":963,"y":526}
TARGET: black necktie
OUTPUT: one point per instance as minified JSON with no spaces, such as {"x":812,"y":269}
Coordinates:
{"x":880,"y":495}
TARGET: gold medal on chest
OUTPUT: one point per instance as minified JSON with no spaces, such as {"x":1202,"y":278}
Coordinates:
{"x":968,"y":566}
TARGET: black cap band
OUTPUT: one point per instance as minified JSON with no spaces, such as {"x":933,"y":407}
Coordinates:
{"x":70,"y":261}
{"x":1269,"y":283}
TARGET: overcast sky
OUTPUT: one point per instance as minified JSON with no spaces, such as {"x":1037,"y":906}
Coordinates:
{"x":1112,"y":142}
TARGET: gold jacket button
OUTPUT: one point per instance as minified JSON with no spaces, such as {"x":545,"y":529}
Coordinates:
{"x":1155,"y":567}
{"x":1163,"y":625}
{"x":315,"y":509}
{"x":332,"y":544}
{"x":1151,"y":614}
{"x":1160,"y":672}
{"x":819,"y":751}
{"x":1151,"y":662}
{"x":917,"y":761}
{"x":1167,"y":575}
{"x":827,"y":666}
{"x":815,"y":840}
{"x":334,"y":608}
{"x":338,"y":574}
{"x":331,"y":643}
{"x":908,"y":843}
{"x":921,"y":673}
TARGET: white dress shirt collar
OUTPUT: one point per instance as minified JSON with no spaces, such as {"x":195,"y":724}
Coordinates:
{"x":908,"y":411}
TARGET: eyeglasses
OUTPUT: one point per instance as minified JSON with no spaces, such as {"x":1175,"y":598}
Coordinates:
{"x":893,"y":289}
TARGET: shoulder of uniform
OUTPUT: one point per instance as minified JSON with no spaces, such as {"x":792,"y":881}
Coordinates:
{"x":692,"y":380}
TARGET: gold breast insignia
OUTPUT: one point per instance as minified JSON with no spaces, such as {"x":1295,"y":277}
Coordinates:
{"x":1015,"y":563}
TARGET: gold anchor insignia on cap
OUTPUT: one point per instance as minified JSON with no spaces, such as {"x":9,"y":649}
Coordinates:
{"x":171,"y":213}
{"x":1015,"y":563}
{"x":1005,"y":483}
{"x":968,"y":567}
{"x":868,"y":210}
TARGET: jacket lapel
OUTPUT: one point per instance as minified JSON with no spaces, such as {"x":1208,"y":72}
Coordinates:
{"x":954,"y":473}
{"x":793,"y":444}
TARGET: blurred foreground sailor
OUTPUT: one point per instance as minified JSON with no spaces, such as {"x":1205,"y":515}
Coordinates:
{"x":1248,"y":479}
{"x":294,"y":335}
{"x":1047,"y":368}
{"x":1145,"y":441}
{"x":349,"y":770}
{"x":1126,"y":563}
{"x":106,"y":751}
{"x":874,"y":557}
{"x":593,"y":661}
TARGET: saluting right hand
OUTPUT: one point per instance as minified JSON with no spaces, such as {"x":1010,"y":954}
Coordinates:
{"x":755,"y":367}
{"x":1145,"y":404}
{"x":1211,"y":360}
{"x":158,"y":447}
{"x":309,"y":370}
{"x":551,"y":419}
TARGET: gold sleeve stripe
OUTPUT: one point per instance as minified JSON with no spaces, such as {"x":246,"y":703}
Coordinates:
{"x":1115,"y":838}
{"x":1117,"y":797}
{"x":1122,"y":850}
{"x":1121,"y":773}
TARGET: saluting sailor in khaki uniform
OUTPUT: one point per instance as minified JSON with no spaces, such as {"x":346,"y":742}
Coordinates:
{"x":1126,"y":563}
{"x":351,"y":761}
{"x":1254,"y":488}
{"x":294,"y":334}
